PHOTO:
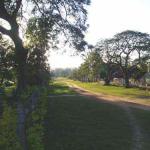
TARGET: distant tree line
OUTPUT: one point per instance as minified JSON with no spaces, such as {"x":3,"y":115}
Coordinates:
{"x":124,"y":56}
{"x":60,"y":72}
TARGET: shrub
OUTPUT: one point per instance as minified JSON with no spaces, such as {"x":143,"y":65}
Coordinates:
{"x":8,"y":127}
{"x":35,"y":123}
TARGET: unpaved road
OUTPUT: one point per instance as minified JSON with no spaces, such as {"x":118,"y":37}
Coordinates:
{"x":110,"y":99}
{"x":126,"y":105}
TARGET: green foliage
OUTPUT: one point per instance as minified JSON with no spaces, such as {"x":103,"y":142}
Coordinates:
{"x":123,"y":47}
{"x":35,"y":123}
{"x":90,"y":69}
{"x":50,"y":22}
{"x":25,"y":95}
{"x":59,"y":72}
{"x":58,"y":87}
{"x":103,"y":71}
{"x":35,"y":137}
{"x":8,"y":128}
{"x":37,"y":43}
{"x":47,"y":22}
{"x":139,"y":71}
{"x":38,"y":67}
{"x":133,"y":93}
{"x":112,"y":58}
{"x":7,"y":69}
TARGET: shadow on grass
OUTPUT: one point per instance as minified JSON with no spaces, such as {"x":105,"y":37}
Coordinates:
{"x":79,"y":123}
{"x":59,"y":89}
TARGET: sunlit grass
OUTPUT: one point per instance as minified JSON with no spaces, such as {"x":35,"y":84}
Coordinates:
{"x":9,"y":90}
{"x":113,"y":90}
{"x":81,"y":123}
{"x":59,"y":88}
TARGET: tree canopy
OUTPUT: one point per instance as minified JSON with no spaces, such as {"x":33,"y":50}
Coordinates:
{"x":48,"y":22}
{"x":124,"y":56}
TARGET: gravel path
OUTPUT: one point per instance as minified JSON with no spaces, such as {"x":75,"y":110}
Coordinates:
{"x":109,"y":99}
{"x":136,"y":130}
{"x":125,"y":105}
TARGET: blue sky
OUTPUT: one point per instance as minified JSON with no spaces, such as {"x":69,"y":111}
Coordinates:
{"x":106,"y":18}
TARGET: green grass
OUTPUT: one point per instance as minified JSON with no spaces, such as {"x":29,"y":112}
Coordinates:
{"x":60,"y":88}
{"x":113,"y":90}
{"x":7,"y":93}
{"x":82,"y":123}
{"x":143,"y":118}
{"x":9,"y":90}
{"x":79,"y":123}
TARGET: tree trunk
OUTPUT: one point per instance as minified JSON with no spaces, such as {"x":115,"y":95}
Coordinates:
{"x":107,"y":81}
{"x":21,"y":126}
{"x":2,"y":80}
{"x":108,"y":76}
{"x":20,"y":51}
{"x":20,"y":58}
{"x":126,"y":77}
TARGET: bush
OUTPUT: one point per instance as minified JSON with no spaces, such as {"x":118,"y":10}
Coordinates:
{"x":8,"y":127}
{"x":35,"y":123}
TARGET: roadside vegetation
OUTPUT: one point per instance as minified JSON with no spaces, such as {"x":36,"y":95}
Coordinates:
{"x":123,"y":59}
{"x":30,"y":117}
{"x":82,"y":123}
{"x":113,"y":90}
{"x":58,"y":87}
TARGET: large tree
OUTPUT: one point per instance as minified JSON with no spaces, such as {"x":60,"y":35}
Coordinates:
{"x":94,"y":61}
{"x":127,"y":46}
{"x":56,"y":19}
{"x":89,"y":71}
{"x":121,"y":51}
{"x":108,"y":66}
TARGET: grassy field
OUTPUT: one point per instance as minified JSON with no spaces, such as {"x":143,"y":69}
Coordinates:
{"x":78,"y":123}
{"x":81,"y":123}
{"x":59,"y":87}
{"x":113,"y":90}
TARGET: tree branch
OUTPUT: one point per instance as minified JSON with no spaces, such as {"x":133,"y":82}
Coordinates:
{"x":4,"y":31}
{"x":4,"y":14}
{"x":36,"y":3}
{"x":18,"y":5}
